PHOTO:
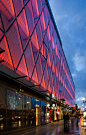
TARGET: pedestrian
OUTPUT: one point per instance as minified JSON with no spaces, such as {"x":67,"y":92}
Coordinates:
{"x":57,"y":115}
{"x":64,"y":117}
{"x":67,"y":118}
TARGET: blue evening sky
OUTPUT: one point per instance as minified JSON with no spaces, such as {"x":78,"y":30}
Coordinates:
{"x":70,"y":18}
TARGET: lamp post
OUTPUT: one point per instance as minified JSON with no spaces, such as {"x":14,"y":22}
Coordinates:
{"x":83,"y":99}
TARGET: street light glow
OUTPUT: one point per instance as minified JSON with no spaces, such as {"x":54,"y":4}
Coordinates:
{"x":83,"y":98}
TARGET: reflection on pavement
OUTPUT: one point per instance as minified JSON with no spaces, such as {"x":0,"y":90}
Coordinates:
{"x":77,"y":127}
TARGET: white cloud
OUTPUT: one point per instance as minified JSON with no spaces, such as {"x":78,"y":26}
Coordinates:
{"x":79,"y":61}
{"x":79,"y":99}
{"x":73,"y":74}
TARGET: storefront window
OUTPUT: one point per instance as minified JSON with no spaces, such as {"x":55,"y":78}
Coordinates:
{"x":48,"y":113}
{"x":11,"y":99}
{"x":38,"y":112}
{"x":14,"y":110}
{"x":2,"y":109}
{"x":43,"y":112}
{"x":38,"y":103}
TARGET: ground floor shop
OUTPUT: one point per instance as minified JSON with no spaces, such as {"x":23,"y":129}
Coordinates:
{"x":19,"y":109}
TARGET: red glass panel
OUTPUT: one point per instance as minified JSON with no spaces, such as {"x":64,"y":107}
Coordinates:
{"x":22,"y":66}
{"x":29,"y":59}
{"x":41,"y":49}
{"x":18,"y":5}
{"x":55,"y":86}
{"x":56,"y":71}
{"x":1,"y":34}
{"x":29,"y":16}
{"x":51,"y":28}
{"x":39,"y":33}
{"x":48,"y":34}
{"x":14,"y":44}
{"x":46,"y":41}
{"x":43,"y":27}
{"x":53,"y":90}
{"x":48,"y":59}
{"x":51,"y":56}
{"x":53,"y":45}
{"x":53,"y":76}
{"x":45,"y":17}
{"x":39,"y":69}
{"x":34,"y":76}
{"x":1,"y":29}
{"x":49,"y":88}
{"x":23,"y":27}
{"x":43,"y":62}
{"x":34,"y":39}
{"x":51,"y":82}
{"x":49,"y":70}
{"x":53,"y":67}
{"x":39,"y":6}
{"x":46,"y":76}
{"x":43,"y":82}
{"x":5,"y":55}
{"x":35,"y":10}
{"x":7,"y":12}
{"x":43,"y":3}
{"x":35,"y":52}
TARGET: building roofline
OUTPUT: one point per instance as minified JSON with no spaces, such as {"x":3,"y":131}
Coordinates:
{"x":52,"y":17}
{"x":50,"y":11}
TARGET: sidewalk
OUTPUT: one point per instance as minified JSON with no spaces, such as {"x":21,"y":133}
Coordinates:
{"x":26,"y":129}
{"x":53,"y":128}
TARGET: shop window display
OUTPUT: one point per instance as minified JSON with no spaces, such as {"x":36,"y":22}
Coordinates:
{"x":43,"y":112}
{"x":14,"y":110}
{"x":48,"y":113}
{"x":32,"y":116}
{"x":38,"y":112}
{"x":20,"y":110}
{"x":2,"y":110}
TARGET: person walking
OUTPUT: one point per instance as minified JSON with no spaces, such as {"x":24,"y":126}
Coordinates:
{"x":57,"y":116}
{"x":64,"y":117}
{"x":67,"y":118}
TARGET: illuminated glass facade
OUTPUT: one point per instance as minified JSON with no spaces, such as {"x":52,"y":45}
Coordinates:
{"x":32,"y":46}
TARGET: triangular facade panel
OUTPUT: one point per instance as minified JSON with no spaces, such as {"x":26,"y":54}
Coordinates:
{"x":14,"y":44}
{"x":43,"y":82}
{"x":29,"y":59}
{"x":7,"y":13}
{"x":22,"y":66}
{"x":34,"y":76}
{"x":6,"y":54}
{"x":39,"y":69}
{"x":1,"y":29}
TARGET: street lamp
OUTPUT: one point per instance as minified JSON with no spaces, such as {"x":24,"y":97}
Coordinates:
{"x":83,"y":99}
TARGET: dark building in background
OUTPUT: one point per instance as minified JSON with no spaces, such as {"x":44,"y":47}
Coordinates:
{"x":34,"y":75}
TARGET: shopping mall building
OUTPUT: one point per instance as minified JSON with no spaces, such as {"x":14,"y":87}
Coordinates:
{"x":35,"y":79}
